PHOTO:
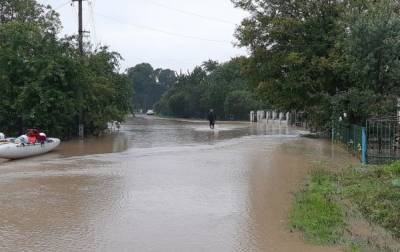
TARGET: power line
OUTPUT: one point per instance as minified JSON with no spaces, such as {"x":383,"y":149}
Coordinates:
{"x":62,"y":5}
{"x":144,"y":27}
{"x":215,"y":19}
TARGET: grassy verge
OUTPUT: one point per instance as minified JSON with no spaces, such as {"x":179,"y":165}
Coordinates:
{"x":323,"y":209}
{"x":315,"y":211}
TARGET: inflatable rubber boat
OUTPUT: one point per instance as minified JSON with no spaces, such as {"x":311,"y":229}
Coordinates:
{"x":29,"y":145}
{"x":10,"y":150}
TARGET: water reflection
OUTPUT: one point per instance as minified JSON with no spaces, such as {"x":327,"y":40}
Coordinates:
{"x":114,"y":142}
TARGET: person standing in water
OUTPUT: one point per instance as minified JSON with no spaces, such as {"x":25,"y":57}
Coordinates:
{"x":211,"y":118}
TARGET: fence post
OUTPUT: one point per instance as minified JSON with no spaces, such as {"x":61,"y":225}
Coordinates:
{"x":354,"y":139}
{"x":364,"y":146}
{"x":398,"y":110}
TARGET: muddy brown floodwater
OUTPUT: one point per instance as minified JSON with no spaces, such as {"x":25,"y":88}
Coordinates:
{"x":162,"y":185}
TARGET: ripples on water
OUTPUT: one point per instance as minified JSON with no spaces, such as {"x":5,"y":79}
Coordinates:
{"x":152,"y":132}
{"x":160,"y":185}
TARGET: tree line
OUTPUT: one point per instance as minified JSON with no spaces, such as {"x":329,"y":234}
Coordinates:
{"x":45,"y":82}
{"x":327,"y":58}
{"x":222,"y":87}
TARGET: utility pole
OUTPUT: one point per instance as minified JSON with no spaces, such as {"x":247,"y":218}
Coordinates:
{"x":80,"y":25}
{"x":81,"y":127}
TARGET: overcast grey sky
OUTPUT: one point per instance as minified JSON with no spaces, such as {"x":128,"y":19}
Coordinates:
{"x":176,"y":34}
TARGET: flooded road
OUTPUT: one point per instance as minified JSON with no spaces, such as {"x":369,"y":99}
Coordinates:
{"x":162,"y":185}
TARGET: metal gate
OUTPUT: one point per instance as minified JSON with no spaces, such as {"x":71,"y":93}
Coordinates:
{"x":383,"y":135}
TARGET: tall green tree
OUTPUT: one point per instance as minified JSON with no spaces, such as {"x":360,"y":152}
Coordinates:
{"x":373,"y":47}
{"x":30,"y":11}
{"x":324,"y":57}
{"x":40,"y":76}
{"x":291,"y":44}
{"x":371,"y":53}
{"x":149,"y":84}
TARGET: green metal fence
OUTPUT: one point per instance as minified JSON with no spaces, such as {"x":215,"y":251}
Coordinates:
{"x":383,"y":140}
{"x":377,"y":143}
{"x":351,"y":136}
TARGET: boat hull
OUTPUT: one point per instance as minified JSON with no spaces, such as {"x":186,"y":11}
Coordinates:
{"x":18,"y":151}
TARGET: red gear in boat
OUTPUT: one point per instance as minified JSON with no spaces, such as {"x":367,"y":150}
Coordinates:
{"x":33,"y":135}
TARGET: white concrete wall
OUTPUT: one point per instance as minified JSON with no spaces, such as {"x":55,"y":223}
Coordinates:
{"x":270,"y":116}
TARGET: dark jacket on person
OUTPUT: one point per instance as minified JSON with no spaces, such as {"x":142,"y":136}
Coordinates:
{"x":211,"y":116}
